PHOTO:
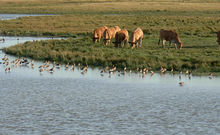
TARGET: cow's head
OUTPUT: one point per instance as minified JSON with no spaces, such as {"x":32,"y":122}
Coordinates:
{"x":178,"y":42}
{"x":106,"y":41}
{"x":116,"y":43}
{"x":133,"y":44}
{"x":95,"y":39}
{"x":180,"y":45}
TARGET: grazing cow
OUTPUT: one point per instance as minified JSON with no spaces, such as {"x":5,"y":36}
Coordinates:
{"x":121,"y":37}
{"x":110,"y":34}
{"x":171,"y":36}
{"x":98,"y":33}
{"x":218,"y":37}
{"x":136,"y":38}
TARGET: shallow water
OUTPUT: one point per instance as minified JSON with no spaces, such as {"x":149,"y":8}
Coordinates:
{"x":16,"y":16}
{"x":68,"y":102}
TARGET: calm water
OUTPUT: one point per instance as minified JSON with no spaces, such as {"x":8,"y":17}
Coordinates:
{"x":16,"y":16}
{"x":68,"y":102}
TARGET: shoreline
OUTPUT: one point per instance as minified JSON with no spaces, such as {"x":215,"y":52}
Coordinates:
{"x":97,"y":55}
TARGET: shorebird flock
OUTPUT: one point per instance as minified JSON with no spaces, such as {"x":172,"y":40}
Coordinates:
{"x":51,"y":67}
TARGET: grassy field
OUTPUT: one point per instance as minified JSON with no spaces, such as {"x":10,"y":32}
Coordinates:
{"x":196,"y":21}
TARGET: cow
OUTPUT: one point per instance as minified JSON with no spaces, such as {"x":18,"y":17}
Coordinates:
{"x":110,"y":34}
{"x":121,"y":37}
{"x":218,"y":37}
{"x":98,"y":33}
{"x":136,"y":38}
{"x":171,"y":36}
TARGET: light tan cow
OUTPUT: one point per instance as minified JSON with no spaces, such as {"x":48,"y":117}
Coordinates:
{"x":110,"y":34}
{"x":136,"y":38}
{"x":171,"y":36}
{"x":218,"y":37}
{"x":121,"y":37}
{"x":98,"y":33}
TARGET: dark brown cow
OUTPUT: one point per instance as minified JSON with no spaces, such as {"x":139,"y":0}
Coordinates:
{"x":171,"y":36}
{"x":98,"y":33}
{"x":218,"y":37}
{"x":136,"y":38}
{"x":110,"y":34}
{"x":121,"y":37}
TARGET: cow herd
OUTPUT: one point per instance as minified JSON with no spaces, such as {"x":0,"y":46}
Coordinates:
{"x":121,"y":37}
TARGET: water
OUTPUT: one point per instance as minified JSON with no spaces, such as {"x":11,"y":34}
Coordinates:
{"x":16,"y":16}
{"x":68,"y":102}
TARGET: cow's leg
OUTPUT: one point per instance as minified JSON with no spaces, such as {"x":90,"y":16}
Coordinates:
{"x":169,"y":45}
{"x":109,"y":41}
{"x":106,"y":42}
{"x":116,"y":45}
{"x":163,"y":43}
{"x":136,"y":44}
{"x":140,"y":42}
{"x":94,"y":40}
{"x":159,"y":42}
{"x":175,"y":45}
{"x":126,"y":42}
{"x":122,"y":43}
{"x":133,"y":46}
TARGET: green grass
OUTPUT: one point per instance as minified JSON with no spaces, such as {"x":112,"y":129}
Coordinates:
{"x":201,"y":57}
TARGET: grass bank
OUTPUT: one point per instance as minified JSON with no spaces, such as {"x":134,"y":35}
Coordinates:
{"x":199,"y":55}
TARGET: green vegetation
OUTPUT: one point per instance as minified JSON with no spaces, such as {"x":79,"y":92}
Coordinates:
{"x":196,"y":21}
{"x":196,"y":57}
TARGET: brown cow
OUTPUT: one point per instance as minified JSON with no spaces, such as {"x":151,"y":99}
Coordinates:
{"x":136,"y":38}
{"x":121,"y":37}
{"x":171,"y":36}
{"x":110,"y":34}
{"x":98,"y":33}
{"x":218,"y":37}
